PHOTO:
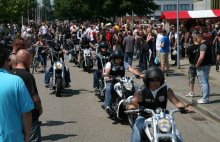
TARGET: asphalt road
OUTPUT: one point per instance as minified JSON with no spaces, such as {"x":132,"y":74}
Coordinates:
{"x":78,"y":117}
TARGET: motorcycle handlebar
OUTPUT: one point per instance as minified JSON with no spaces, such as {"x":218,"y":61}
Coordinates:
{"x":182,"y":110}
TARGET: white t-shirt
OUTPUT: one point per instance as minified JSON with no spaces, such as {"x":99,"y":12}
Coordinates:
{"x":44,"y":29}
{"x":155,"y":91}
{"x":108,"y":65}
{"x":158,"y":41}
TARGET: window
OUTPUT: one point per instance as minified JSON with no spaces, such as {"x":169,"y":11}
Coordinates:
{"x":169,"y":7}
{"x":184,"y":7}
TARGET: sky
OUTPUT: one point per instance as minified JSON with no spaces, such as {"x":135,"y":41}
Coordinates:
{"x":40,"y":1}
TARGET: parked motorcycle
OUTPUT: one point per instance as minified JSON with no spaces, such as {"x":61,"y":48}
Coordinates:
{"x":161,"y":125}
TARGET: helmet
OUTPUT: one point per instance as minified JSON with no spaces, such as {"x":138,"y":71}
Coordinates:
{"x":117,"y":54}
{"x":153,"y":72}
{"x":103,"y":44}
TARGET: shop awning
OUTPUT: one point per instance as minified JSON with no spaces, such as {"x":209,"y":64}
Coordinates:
{"x":171,"y":15}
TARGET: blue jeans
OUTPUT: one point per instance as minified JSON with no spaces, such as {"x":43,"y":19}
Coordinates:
{"x":50,"y":70}
{"x":108,"y":94}
{"x":128,"y":57}
{"x":138,"y":130}
{"x":203,"y":77}
{"x":72,"y":54}
{"x":96,"y":77}
{"x":43,"y":59}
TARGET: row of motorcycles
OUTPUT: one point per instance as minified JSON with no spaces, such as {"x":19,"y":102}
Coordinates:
{"x":58,"y":46}
{"x":162,"y":126}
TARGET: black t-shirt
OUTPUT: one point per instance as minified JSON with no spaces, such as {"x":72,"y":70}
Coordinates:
{"x":30,"y":83}
{"x":191,"y":52}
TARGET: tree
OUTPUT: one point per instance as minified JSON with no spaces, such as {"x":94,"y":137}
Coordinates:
{"x":87,"y":9}
{"x":13,"y":9}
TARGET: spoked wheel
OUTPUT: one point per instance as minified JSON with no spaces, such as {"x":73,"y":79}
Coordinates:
{"x":36,"y":63}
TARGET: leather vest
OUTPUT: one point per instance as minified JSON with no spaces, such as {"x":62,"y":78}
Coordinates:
{"x":148,"y":100}
{"x":117,"y":70}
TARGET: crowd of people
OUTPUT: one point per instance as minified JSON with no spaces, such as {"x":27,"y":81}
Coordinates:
{"x":153,"y":45}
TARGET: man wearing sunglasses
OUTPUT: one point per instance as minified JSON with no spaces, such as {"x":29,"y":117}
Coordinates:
{"x":153,"y":94}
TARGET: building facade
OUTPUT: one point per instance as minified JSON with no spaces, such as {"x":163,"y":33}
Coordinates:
{"x":171,"y":5}
{"x":202,"y":4}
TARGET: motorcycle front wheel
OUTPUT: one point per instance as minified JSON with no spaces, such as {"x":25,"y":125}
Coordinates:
{"x":58,"y":87}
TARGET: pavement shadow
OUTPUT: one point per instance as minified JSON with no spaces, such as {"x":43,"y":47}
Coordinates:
{"x":214,"y":102}
{"x":176,"y":74}
{"x":214,"y":94}
{"x":56,"y":137}
{"x":56,"y":123}
{"x":70,"y":92}
{"x":117,"y":121}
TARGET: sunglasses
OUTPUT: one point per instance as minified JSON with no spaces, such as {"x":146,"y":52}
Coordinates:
{"x":154,"y":80}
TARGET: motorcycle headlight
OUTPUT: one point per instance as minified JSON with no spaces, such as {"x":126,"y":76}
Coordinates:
{"x":128,"y":86}
{"x":59,"y":66}
{"x":164,"y":125}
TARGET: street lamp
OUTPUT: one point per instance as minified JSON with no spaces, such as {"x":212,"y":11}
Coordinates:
{"x":178,"y":45}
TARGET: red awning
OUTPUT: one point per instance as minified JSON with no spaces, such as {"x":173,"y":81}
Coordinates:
{"x":217,"y":12}
{"x":171,"y":15}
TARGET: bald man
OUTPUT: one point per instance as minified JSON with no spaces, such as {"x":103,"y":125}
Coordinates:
{"x":24,"y":59}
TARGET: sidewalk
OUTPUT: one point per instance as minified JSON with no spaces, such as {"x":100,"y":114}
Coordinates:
{"x":178,"y":81}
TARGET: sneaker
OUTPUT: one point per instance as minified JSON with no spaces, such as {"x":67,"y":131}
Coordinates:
{"x":203,"y":101}
{"x":96,"y":90}
{"x":190,"y":94}
{"x":103,"y":106}
{"x":47,"y":85}
{"x":67,"y":85}
{"x":109,"y":111}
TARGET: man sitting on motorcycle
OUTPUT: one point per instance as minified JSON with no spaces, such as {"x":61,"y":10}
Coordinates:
{"x":102,"y":59}
{"x":153,"y":94}
{"x":84,"y":44}
{"x":115,"y":68}
{"x":54,"y":58}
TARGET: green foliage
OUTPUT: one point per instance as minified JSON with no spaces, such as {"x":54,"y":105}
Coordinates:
{"x":11,"y":10}
{"x":93,"y":9}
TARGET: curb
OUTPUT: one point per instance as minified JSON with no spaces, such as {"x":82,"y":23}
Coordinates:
{"x":200,"y":108}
